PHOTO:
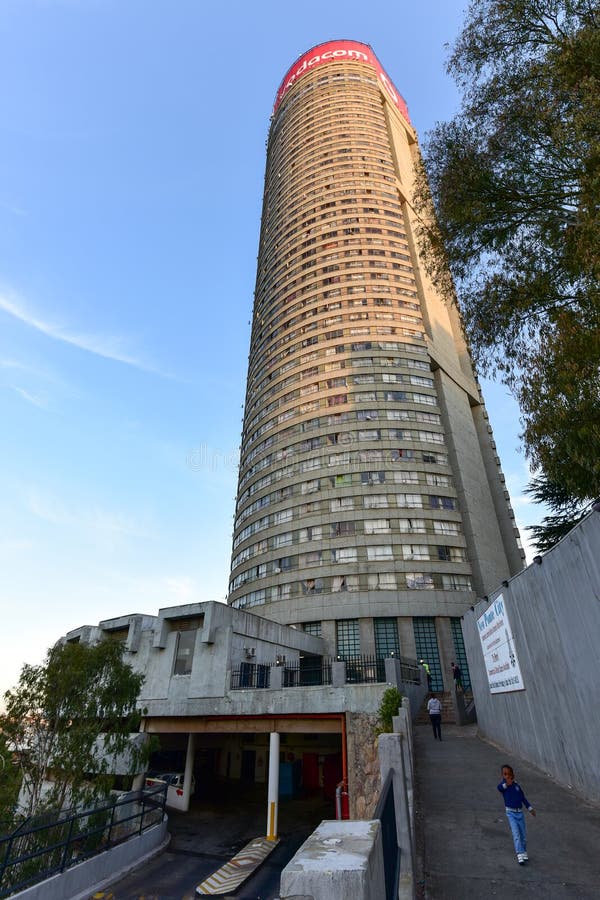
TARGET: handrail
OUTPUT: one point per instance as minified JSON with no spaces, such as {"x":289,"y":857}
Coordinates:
{"x":38,"y":848}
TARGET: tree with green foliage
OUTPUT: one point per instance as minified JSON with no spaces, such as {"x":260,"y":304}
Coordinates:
{"x":10,"y":782}
{"x":565,"y":512}
{"x":67,"y":720}
{"x":515,"y":183}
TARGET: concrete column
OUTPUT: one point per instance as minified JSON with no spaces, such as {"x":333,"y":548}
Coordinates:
{"x":392,"y":671}
{"x":338,"y":673}
{"x":189,"y":769}
{"x":138,"y":781}
{"x":276,"y":678}
{"x":273,"y":794}
{"x":446,"y":649}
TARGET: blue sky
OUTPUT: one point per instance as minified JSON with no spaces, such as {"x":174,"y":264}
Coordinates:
{"x":132,"y":151}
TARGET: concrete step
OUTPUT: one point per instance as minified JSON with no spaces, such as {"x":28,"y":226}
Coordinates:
{"x":448,"y":714}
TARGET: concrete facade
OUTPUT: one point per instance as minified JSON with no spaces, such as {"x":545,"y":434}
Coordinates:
{"x":219,"y":681}
{"x":371,"y":506}
{"x":554,"y":612}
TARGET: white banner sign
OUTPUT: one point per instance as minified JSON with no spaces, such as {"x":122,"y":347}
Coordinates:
{"x":499,"y":654}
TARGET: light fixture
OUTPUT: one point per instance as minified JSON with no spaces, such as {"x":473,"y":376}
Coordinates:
{"x":537,"y":560}
{"x":505,"y":583}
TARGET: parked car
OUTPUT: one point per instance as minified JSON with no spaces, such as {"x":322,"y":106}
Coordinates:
{"x":174,"y":780}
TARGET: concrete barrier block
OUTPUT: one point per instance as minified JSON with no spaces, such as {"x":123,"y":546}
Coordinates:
{"x":339,"y":860}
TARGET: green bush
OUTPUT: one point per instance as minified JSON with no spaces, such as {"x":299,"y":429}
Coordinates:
{"x":390,"y":703}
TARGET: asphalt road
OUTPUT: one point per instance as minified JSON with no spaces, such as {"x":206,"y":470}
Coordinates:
{"x":209,"y":836}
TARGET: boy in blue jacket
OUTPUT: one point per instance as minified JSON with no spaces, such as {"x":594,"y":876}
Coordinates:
{"x":514,"y":800}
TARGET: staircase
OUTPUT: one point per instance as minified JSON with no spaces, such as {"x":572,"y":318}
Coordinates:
{"x":448,"y":714}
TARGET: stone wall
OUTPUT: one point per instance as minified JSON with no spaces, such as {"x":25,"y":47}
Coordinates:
{"x":364,"y":780}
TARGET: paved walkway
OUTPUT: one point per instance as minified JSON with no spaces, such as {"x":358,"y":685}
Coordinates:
{"x":466,"y":849}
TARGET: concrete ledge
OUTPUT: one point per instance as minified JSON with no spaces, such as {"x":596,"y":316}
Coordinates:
{"x":83,"y":880}
{"x":338,"y":861}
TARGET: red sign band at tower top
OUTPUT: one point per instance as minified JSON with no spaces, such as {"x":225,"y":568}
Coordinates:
{"x":340,"y":50}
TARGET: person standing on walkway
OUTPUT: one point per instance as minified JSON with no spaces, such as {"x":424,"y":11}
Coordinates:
{"x":514,"y":800}
{"x":434,"y":708}
{"x":457,"y":675}
{"x":427,"y":672}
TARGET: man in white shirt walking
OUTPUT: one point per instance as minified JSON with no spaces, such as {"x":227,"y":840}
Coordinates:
{"x":434,"y":708}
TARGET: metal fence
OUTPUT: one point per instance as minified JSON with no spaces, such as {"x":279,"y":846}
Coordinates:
{"x":410,"y":671}
{"x":250,"y":675}
{"x":45,"y":846}
{"x":309,"y":671}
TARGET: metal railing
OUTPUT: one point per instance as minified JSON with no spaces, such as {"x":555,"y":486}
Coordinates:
{"x":250,"y":675}
{"x":410,"y":671}
{"x":317,"y":671}
{"x":47,"y":845}
{"x":307,"y":672}
{"x":386,"y":813}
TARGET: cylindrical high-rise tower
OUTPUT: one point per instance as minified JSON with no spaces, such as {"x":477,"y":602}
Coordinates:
{"x":371,"y":508}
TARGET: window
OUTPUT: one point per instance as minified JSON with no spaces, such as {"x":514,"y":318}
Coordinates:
{"x":384,"y":581}
{"x":375,"y":501}
{"x":459,"y":652}
{"x":344,"y":554}
{"x":418,"y":581}
{"x":381,"y":552}
{"x":184,"y":652}
{"x":342,"y":528}
{"x":403,"y":476}
{"x":456,"y":583}
{"x":312,"y":558}
{"x":410,"y":501}
{"x":338,"y":481}
{"x":341,"y":503}
{"x":446,"y":527}
{"x":283,"y":516}
{"x":312,"y":533}
{"x":347,"y":638}
{"x":312,"y":585}
{"x":372,"y":478}
{"x":386,"y":637}
{"x":437,"y":502}
{"x":415,"y":551}
{"x":282,"y":540}
{"x":313,"y":628}
{"x":281,"y":592}
{"x":377,"y":526}
{"x":344,"y":583}
{"x":427,"y":648}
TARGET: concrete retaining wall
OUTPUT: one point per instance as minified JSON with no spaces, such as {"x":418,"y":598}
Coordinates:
{"x":554,"y":612}
{"x":83,"y":880}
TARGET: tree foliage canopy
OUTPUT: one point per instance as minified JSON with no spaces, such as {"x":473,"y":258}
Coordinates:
{"x":67,"y":719}
{"x":515,"y":180}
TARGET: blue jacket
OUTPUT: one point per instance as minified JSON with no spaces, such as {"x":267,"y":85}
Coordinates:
{"x":513,"y":795}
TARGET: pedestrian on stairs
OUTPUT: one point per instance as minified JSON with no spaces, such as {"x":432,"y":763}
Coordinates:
{"x":427,"y":672}
{"x":457,"y":675}
{"x":434,"y":708}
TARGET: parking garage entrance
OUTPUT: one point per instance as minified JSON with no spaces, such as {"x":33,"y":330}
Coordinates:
{"x":229,"y":758}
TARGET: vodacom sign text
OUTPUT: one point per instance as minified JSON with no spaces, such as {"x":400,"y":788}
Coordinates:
{"x":339,"y":50}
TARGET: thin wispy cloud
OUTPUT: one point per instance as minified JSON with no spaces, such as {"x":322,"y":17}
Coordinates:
{"x":13,"y":209}
{"x":34,"y":399}
{"x":93,"y":518}
{"x":108,"y":346}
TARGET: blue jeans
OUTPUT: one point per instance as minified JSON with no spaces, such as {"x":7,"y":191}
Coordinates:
{"x":516,"y":820}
